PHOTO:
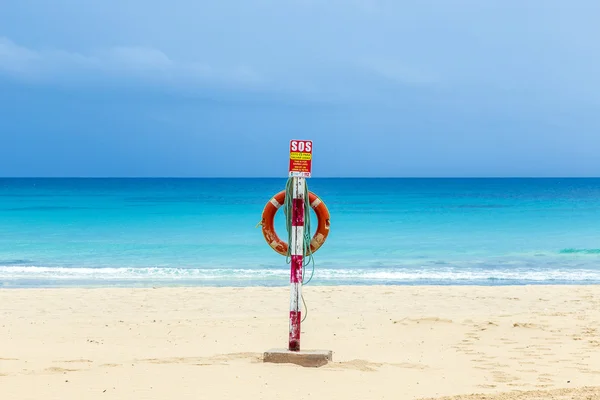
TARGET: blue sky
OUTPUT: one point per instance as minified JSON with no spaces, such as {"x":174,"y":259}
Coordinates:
{"x":384,"y":88}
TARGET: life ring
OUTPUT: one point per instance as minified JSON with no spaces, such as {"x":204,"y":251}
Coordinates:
{"x":268,"y":218}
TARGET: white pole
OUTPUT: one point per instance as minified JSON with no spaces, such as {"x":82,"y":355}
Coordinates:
{"x":297,"y":254}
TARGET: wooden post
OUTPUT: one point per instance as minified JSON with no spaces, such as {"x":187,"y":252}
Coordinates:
{"x":297,"y":255}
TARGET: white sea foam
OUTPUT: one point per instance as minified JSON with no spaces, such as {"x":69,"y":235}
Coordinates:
{"x":10,"y":274}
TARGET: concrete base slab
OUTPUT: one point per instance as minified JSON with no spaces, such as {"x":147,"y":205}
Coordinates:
{"x":305,"y":358}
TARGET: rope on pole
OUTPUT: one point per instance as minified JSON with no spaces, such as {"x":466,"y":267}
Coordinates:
{"x":307,"y":251}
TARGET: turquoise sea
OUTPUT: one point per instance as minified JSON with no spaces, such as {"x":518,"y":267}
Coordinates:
{"x":150,"y":232}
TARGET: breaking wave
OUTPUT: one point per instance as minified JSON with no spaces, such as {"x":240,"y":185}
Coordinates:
{"x":11,"y":275}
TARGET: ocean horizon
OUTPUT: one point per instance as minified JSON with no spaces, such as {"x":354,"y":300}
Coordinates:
{"x":80,"y":232}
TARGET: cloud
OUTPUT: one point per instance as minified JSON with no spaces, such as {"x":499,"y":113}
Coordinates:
{"x":145,"y":64}
{"x":350,"y":77}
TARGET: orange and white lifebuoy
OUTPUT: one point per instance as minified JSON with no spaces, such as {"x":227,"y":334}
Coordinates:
{"x":268,"y":218}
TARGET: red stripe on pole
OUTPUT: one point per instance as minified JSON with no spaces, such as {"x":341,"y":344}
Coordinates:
{"x":296,"y":270}
{"x":295,"y":318}
{"x":297,"y":212}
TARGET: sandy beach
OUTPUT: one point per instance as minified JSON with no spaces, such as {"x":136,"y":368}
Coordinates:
{"x":521,"y":342}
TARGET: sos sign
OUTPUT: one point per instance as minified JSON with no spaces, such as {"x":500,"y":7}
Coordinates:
{"x":300,"y":158}
{"x":301,"y":146}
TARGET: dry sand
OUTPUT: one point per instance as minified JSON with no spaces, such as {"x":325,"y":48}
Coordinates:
{"x":522,"y":342}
